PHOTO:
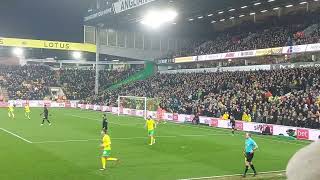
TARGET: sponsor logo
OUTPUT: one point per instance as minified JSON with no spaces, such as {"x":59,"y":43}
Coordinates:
{"x":230,"y":55}
{"x":313,"y":47}
{"x":247,"y":53}
{"x":239,"y":125}
{"x":302,"y":133}
{"x":214,"y":123}
{"x":124,"y":5}
{"x":262,"y":127}
{"x":175,"y":117}
{"x":59,"y":45}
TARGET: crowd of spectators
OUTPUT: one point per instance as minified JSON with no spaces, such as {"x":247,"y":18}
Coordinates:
{"x":27,"y":82}
{"x":33,"y":82}
{"x":79,"y":84}
{"x":286,"y":97}
{"x":290,"y":30}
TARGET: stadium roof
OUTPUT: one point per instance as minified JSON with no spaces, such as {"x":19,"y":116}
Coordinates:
{"x":200,"y":11}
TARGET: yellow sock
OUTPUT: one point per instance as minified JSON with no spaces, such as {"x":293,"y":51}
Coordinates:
{"x":112,"y":159}
{"x":151,"y":140}
{"x":9,"y":114}
{"x":104,"y":162}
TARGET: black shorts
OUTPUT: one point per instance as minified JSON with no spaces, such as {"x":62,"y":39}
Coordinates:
{"x":45,"y":116}
{"x":249,"y":156}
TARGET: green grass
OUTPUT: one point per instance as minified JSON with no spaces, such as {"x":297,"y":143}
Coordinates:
{"x":181,"y":151}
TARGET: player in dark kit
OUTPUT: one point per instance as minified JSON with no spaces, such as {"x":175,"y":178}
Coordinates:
{"x":104,"y":122}
{"x":232,"y":123}
{"x":45,"y":114}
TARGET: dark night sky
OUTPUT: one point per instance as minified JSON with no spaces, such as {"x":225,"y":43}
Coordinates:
{"x":43,"y":19}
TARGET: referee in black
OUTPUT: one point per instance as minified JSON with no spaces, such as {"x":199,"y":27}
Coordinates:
{"x":104,"y":122}
{"x":45,"y":114}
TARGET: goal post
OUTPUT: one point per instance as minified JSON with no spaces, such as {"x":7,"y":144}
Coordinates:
{"x":132,"y":102}
{"x":137,"y":103}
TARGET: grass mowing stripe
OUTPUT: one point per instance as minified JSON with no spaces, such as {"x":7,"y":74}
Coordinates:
{"x":101,"y":121}
{"x":127,"y":138}
{"x":300,"y":143}
{"x":16,"y":135}
{"x":232,"y":175}
{"x":271,"y":138}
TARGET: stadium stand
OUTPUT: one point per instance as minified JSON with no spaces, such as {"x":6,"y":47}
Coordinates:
{"x":290,"y":30}
{"x":284,"y":97}
{"x":33,"y":81}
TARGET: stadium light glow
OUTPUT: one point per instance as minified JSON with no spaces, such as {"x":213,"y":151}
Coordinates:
{"x":221,"y":12}
{"x":209,"y":15}
{"x":230,"y":10}
{"x":17,"y":52}
{"x":263,"y":11}
{"x":252,"y":13}
{"x":77,"y":55}
{"x":271,"y":1}
{"x":243,"y":7}
{"x":213,"y":21}
{"x":222,"y":20}
{"x":290,"y":5}
{"x":231,"y":17}
{"x":304,"y":2}
{"x":200,"y":17}
{"x":256,"y":4}
{"x":242,"y":15}
{"x":276,"y":8}
{"x":155,"y":19}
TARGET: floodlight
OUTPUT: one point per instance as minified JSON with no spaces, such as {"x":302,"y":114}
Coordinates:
{"x":77,"y":55}
{"x":17,"y":51}
{"x":155,"y":19}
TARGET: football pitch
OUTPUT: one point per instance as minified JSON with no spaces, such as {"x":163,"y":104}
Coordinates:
{"x":69,"y":149}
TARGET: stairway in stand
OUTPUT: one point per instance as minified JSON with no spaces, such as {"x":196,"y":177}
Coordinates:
{"x":4,"y":93}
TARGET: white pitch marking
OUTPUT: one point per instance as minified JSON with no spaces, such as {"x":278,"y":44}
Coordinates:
{"x":184,"y":125}
{"x":109,"y":121}
{"x":125,"y":138}
{"x":16,"y":135}
{"x":231,"y":175}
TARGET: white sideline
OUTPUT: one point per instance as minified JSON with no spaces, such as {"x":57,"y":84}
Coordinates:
{"x":9,"y":132}
{"x":127,"y":138}
{"x":231,"y":175}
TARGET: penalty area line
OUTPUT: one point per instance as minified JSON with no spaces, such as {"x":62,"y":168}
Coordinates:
{"x":232,"y":175}
{"x":16,"y":135}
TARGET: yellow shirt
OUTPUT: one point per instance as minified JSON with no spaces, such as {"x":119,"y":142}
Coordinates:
{"x":10,"y":108}
{"x":106,"y":141}
{"x":150,"y":124}
{"x":27,"y":108}
{"x":225,"y":116}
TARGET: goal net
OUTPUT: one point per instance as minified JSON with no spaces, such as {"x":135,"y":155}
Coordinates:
{"x":136,"y":106}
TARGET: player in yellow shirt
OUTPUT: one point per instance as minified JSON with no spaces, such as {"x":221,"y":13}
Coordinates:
{"x":11,"y":111}
{"x":27,"y":111}
{"x":106,"y":145}
{"x":151,"y":125}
